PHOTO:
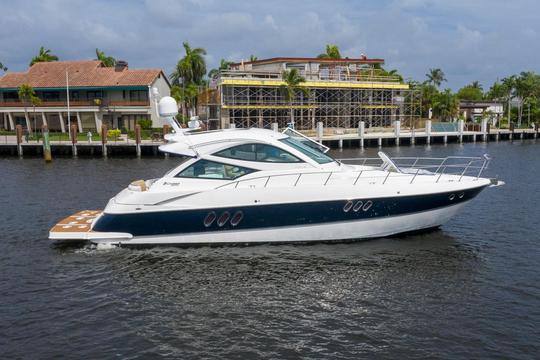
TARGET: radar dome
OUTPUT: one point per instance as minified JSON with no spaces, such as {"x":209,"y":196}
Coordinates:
{"x":167,"y":107}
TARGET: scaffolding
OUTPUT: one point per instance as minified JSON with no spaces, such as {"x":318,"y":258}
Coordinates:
{"x":262,"y":101}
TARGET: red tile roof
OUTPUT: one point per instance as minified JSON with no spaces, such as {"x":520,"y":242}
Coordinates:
{"x":86,"y":73}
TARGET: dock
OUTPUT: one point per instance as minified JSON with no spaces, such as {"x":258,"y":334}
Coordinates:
{"x":147,"y":148}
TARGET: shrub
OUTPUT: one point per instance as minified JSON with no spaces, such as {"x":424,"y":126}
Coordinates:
{"x":145,"y":123}
{"x":114,"y":134}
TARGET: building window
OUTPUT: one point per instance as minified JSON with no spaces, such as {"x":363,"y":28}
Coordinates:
{"x":138,"y":95}
{"x":94,"y":94}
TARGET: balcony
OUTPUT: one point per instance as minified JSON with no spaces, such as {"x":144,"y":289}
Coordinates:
{"x":76,"y":103}
{"x":370,"y":76}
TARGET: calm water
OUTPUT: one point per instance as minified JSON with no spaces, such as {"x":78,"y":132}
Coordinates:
{"x":468,"y":290}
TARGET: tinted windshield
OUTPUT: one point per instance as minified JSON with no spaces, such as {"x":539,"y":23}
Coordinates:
{"x":314,"y":154}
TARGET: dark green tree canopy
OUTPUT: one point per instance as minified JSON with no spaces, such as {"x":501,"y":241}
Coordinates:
{"x":108,"y":61}
{"x":332,"y":52}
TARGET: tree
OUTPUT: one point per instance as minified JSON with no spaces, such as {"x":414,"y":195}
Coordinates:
{"x":191,"y":68}
{"x":472,"y":92}
{"x":223,"y":65}
{"x":293,"y":84}
{"x":43,"y":56}
{"x":3,"y":67}
{"x":436,"y":77}
{"x":186,"y":96}
{"x":332,"y":52}
{"x":28,"y":97}
{"x":108,"y":61}
{"x":252,"y":58}
{"x":446,"y":105}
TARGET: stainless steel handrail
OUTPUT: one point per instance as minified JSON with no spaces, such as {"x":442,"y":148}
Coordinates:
{"x":441,"y":168}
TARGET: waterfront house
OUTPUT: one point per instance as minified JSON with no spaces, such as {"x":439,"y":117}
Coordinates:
{"x":342,"y":92}
{"x":116,"y":96}
{"x":475,"y":111}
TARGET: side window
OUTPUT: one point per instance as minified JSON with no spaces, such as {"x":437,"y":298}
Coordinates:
{"x":206,"y":169}
{"x":258,"y":152}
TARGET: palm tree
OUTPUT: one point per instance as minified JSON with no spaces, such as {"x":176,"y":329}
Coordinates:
{"x":28,"y":97}
{"x":3,"y":67}
{"x":446,"y":105}
{"x":436,"y":77}
{"x":191,"y":68}
{"x":186,"y":96}
{"x":476,"y":85}
{"x":43,"y":56}
{"x":223,"y":65}
{"x":395,"y":73}
{"x":332,"y":52}
{"x":252,"y":58}
{"x":108,"y":61}
{"x":293,"y":81}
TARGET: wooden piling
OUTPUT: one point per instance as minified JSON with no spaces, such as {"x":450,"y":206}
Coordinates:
{"x":138,"y":139}
{"x":104,"y":140}
{"x":19,"y":132}
{"x":73,"y":133}
{"x":46,"y":144}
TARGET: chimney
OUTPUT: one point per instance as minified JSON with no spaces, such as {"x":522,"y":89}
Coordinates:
{"x":121,"y":65}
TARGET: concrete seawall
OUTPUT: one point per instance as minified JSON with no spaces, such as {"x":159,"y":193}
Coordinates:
{"x":118,"y":149}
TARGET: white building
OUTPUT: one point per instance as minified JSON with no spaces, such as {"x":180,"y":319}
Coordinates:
{"x":115,"y":96}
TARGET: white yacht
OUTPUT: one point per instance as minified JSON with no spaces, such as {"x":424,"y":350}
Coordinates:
{"x":262,"y":186}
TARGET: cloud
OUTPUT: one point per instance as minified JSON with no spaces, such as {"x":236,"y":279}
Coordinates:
{"x":470,"y":40}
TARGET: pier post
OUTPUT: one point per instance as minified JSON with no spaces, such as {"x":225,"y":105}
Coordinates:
{"x":74,"y":140}
{"x":340,"y":143}
{"x":104,"y":140}
{"x":397,"y":130}
{"x":46,"y":144}
{"x":535,"y":135}
{"x":413,"y":136}
{"x":460,"y":130}
{"x":18,"y":132}
{"x":511,"y":136}
{"x":379,"y":142}
{"x":428,"y":131}
{"x":320,"y":130}
{"x":445,"y":139}
{"x":361,"y":131}
{"x":275,"y":127}
{"x":165,"y":132}
{"x":138,"y":140}
{"x":485,"y":130}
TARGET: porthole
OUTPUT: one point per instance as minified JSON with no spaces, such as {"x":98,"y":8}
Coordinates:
{"x":358,"y":206}
{"x":348,"y":206}
{"x":452,"y":197}
{"x":209,"y":219}
{"x":461,"y":195}
{"x":238,"y":216}
{"x":367,"y":205}
{"x":223,"y":218}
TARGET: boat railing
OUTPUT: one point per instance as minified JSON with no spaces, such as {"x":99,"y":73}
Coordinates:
{"x":454,"y":168}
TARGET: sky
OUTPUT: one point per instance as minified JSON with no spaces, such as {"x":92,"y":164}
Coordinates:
{"x":469,"y":40}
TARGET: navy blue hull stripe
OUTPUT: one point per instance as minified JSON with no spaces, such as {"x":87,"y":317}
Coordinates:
{"x":276,"y":215}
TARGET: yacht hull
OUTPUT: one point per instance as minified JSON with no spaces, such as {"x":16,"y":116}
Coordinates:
{"x":346,"y":230}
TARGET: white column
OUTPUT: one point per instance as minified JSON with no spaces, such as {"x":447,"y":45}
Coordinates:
{"x":79,"y":122}
{"x":98,"y":121}
{"x":361,"y":131}
{"x":460,"y":130}
{"x":4,"y":118}
{"x":62,"y":126}
{"x":397,"y":130}
{"x":27,"y":122}
{"x":484,"y":129}
{"x":44,"y":118}
{"x":10,"y":119}
{"x":320,"y":130}
{"x":428,"y":131}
